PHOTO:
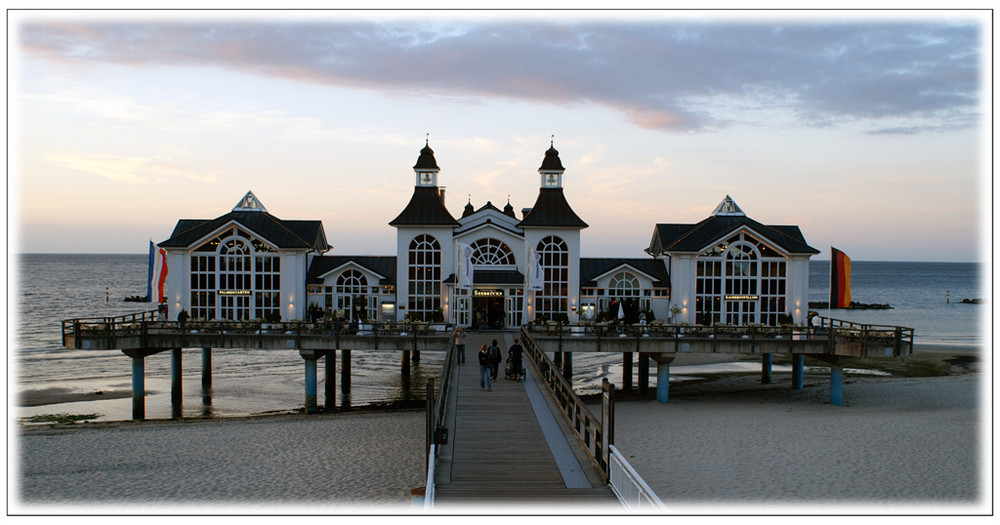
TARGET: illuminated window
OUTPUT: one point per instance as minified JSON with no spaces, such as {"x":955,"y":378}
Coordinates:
{"x":424,"y":277}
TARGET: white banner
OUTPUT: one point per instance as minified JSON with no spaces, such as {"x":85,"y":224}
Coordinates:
{"x":535,"y":276}
{"x":465,"y":269}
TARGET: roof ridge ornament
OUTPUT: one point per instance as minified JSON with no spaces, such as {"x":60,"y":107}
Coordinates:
{"x":728,"y":208}
{"x":249,"y":202}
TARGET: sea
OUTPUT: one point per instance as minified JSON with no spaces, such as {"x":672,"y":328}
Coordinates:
{"x":49,"y":288}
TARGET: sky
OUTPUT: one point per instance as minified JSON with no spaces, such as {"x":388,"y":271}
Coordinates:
{"x":870,"y":131}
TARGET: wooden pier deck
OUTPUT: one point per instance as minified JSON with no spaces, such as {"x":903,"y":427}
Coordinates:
{"x":508,"y":447}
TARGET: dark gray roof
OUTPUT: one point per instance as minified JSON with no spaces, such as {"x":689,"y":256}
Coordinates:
{"x":281,"y":233}
{"x":424,"y":209}
{"x":426,"y":160}
{"x":551,"y":209}
{"x":382,"y":265}
{"x":696,"y":237}
{"x":551,"y":161}
{"x":591,"y":268}
{"x":499,"y":277}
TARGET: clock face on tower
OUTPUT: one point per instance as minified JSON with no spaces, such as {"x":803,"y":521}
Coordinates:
{"x":426,"y":179}
{"x":551,"y":180}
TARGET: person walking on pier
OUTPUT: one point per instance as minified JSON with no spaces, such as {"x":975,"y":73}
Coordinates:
{"x":495,"y":358}
{"x":460,"y":345}
{"x":485,"y":369}
{"x":514,"y":353}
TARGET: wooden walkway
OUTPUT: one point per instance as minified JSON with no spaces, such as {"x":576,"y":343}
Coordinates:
{"x":502,"y":452}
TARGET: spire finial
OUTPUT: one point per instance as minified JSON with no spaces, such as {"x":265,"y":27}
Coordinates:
{"x":427,"y":139}
{"x":552,"y":141}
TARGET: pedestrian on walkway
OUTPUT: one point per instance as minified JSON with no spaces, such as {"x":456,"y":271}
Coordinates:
{"x":514,"y":354}
{"x":460,"y":345}
{"x":485,"y":373}
{"x":495,"y":358}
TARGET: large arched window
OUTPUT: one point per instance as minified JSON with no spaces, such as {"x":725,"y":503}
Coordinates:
{"x":491,"y":252}
{"x":423,"y":277}
{"x":351,"y":290}
{"x":623,"y":285}
{"x":740,"y":281}
{"x":554,"y":296}
{"x":235,"y":276}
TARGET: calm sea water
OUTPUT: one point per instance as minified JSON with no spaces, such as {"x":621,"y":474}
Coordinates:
{"x":51,"y":288}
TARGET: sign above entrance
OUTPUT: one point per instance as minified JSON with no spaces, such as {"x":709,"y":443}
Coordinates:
{"x":742,"y":297}
{"x":234,"y":292}
{"x":492,"y":292}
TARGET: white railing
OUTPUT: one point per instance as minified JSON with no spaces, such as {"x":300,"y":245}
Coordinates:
{"x":429,"y":486}
{"x":628,"y":485}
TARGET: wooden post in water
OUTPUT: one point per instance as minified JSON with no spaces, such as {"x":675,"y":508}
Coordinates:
{"x":765,"y":368}
{"x":643,"y":373}
{"x":798,"y":370}
{"x":405,"y":368}
{"x":138,"y":386}
{"x":176,"y":383}
{"x":330,"y":380}
{"x":206,"y":369}
{"x":345,"y":372}
{"x":568,"y":365}
{"x":627,"y":359}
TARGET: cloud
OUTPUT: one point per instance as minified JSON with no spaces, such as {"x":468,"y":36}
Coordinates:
{"x":129,"y":170}
{"x":679,"y":76}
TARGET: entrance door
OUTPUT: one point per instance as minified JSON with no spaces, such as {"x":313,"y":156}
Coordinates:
{"x":488,"y":312}
{"x":741,"y":313}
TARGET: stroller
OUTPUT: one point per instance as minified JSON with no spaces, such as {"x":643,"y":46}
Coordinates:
{"x":509,"y":371}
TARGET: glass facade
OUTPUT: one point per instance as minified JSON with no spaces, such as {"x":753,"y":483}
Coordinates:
{"x":740,"y":281}
{"x":235,"y":276}
{"x":423,"y":277}
{"x":554,"y":296}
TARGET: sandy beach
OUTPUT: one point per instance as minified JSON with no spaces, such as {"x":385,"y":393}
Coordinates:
{"x":723,"y":444}
{"x":286,"y":464}
{"x":899,"y":445}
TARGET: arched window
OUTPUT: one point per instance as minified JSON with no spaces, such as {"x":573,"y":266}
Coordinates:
{"x":491,"y":252}
{"x":554,"y":296}
{"x":424,"y":277}
{"x":740,"y":281}
{"x":235,"y":276}
{"x":623,"y":285}
{"x":351,"y":289}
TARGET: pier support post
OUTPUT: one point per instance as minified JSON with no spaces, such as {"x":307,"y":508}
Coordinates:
{"x":568,"y":366}
{"x":416,"y":357}
{"x":405,"y":368}
{"x":765,"y":368}
{"x":345,"y":372}
{"x":837,"y":384}
{"x":662,"y":382}
{"x":643,"y":373}
{"x":627,"y":359}
{"x":557,"y":358}
{"x":310,"y":379}
{"x":330,"y":380}
{"x":206,"y":368}
{"x":176,"y":383}
{"x":138,"y":387}
{"x":798,"y":370}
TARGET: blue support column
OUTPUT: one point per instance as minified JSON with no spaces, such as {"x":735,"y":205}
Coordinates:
{"x":310,"y":384}
{"x":176,"y":383}
{"x":330,"y":383}
{"x":798,"y":370}
{"x":138,"y":387}
{"x":663,"y":382}
{"x":837,"y":385}
{"x":765,"y":369}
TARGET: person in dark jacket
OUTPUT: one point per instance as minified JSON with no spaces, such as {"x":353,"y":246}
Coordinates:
{"x":485,"y":371}
{"x":514,"y":353}
{"x":495,"y":358}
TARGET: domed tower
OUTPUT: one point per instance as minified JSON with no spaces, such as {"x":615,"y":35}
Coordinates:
{"x":552,"y":232}
{"x":424,"y":247}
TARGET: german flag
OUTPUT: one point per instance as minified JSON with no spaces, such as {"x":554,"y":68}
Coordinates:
{"x":840,"y":279}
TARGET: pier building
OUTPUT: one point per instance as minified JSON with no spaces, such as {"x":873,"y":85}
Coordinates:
{"x":249,"y":264}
